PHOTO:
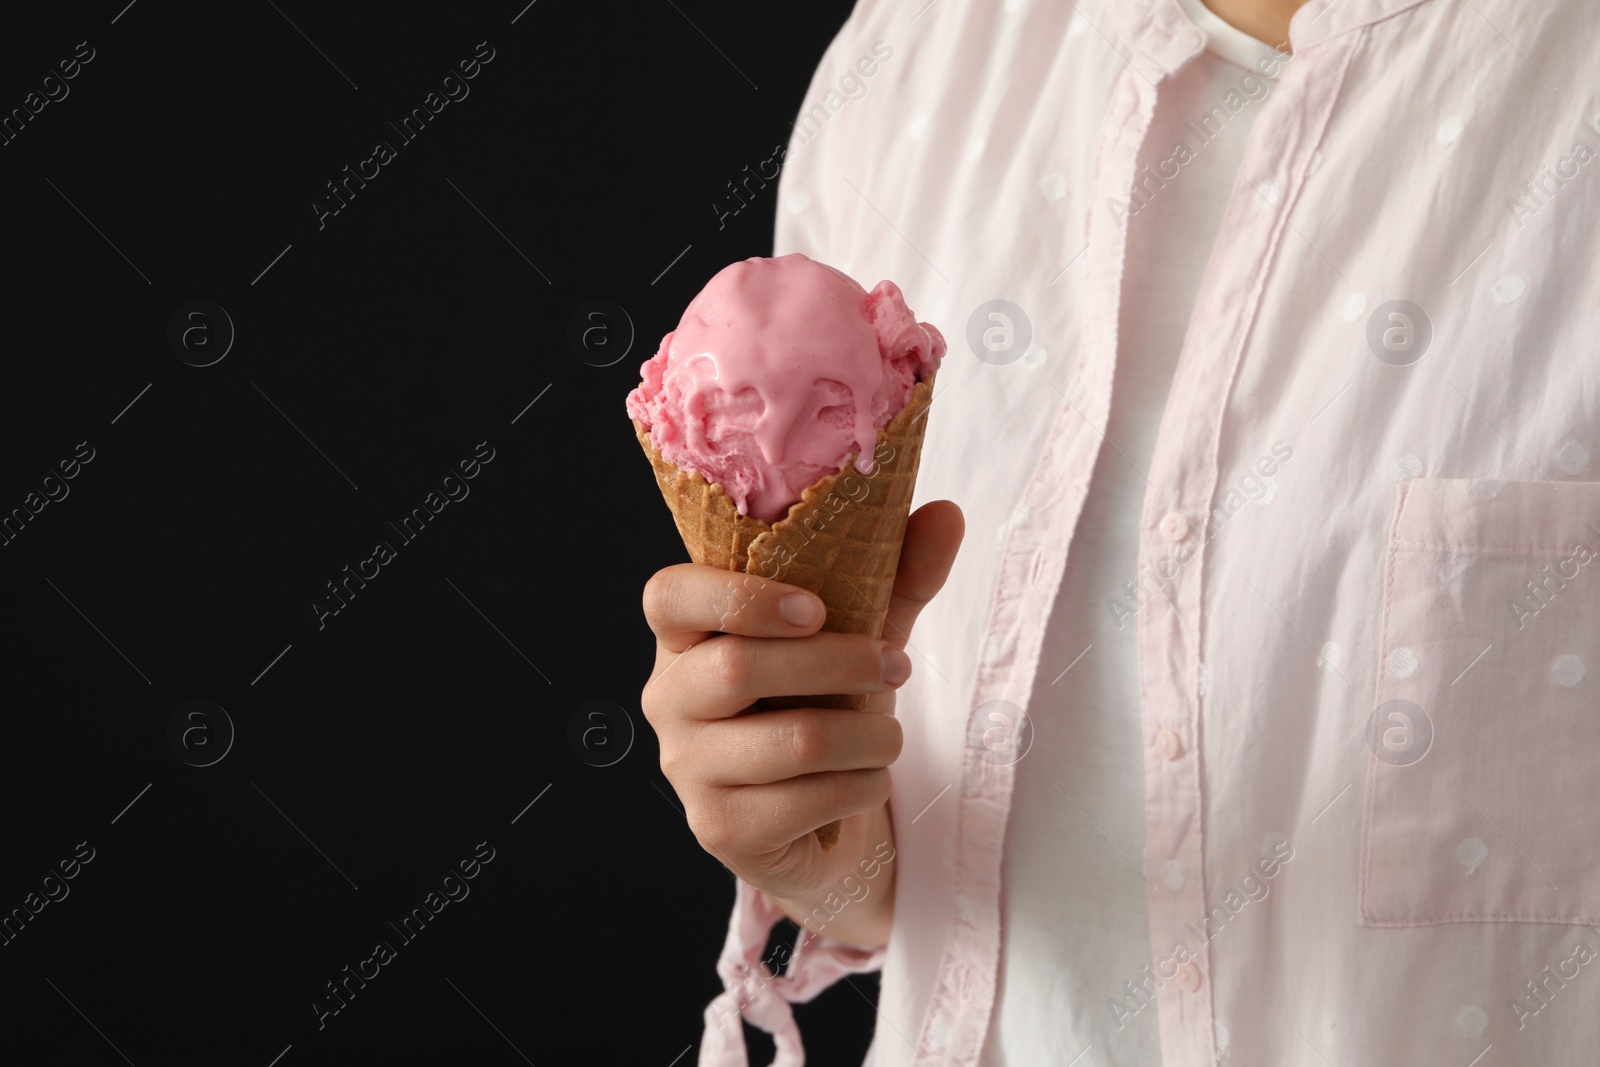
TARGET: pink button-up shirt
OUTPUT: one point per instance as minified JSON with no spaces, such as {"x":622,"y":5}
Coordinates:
{"x":1368,"y":605}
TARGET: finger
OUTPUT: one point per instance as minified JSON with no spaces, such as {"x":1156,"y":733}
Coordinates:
{"x":767,"y":818}
{"x":686,"y":603}
{"x":773,"y":746}
{"x":724,"y":675}
{"x":933,"y":536}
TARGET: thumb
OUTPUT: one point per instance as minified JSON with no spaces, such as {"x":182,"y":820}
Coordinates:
{"x":933,"y":535}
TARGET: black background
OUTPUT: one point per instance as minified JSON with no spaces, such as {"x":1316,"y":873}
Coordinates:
{"x":372,"y":354}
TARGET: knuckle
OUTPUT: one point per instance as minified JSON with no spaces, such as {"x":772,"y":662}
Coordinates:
{"x":840,"y":790}
{"x":658,"y":597}
{"x":714,"y":828}
{"x":729,"y":664}
{"x":649,"y":703}
{"x":658,"y":699}
{"x":805,"y":740}
{"x":683,"y":758}
{"x":671,"y":761}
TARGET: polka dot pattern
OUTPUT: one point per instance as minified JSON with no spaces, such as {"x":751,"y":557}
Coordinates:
{"x":1573,"y":458}
{"x":1407,"y":467}
{"x":1509,"y":288}
{"x":1487,"y":488}
{"x":1567,"y":671}
{"x":1471,"y":853}
{"x":1403,"y":663}
{"x":1472,"y":1022}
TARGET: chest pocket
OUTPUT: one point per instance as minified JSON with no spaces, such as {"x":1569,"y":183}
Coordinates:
{"x":1483,"y":787}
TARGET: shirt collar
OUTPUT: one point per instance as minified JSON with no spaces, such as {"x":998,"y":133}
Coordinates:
{"x":1157,"y":34}
{"x":1232,"y":45}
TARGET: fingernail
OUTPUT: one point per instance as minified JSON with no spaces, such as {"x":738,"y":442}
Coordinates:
{"x":896,"y":666}
{"x":800,"y":609}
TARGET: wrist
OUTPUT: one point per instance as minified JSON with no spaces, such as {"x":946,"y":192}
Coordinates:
{"x":857,"y":906}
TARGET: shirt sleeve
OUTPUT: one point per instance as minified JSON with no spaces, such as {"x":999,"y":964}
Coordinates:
{"x":829,"y":130}
{"x":754,"y":994}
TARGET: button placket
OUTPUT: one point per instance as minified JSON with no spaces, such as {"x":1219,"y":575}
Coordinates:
{"x":1186,"y":466}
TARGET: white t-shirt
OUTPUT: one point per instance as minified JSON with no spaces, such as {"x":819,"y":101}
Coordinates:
{"x":1076,"y":925}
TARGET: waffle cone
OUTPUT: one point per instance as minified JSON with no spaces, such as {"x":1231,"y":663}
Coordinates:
{"x":841,"y":540}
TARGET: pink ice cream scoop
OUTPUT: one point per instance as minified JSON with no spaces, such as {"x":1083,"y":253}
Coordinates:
{"x":779,"y":371}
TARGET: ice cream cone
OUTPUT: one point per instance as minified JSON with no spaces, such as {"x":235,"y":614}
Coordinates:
{"x":841,"y":540}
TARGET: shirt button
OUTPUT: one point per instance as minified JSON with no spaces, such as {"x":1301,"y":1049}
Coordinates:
{"x":1169,"y":744}
{"x":1174,"y":526}
{"x":1189,"y":977}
